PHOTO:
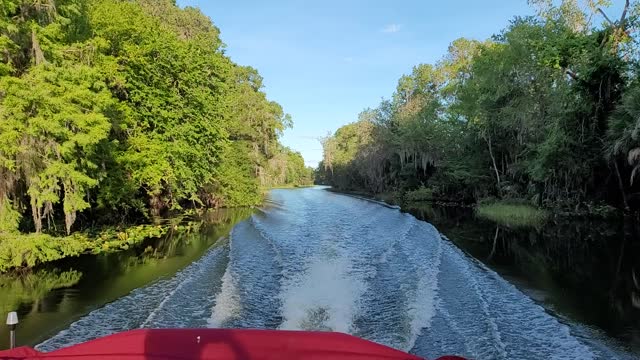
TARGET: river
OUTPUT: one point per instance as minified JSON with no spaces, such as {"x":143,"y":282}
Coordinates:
{"x":315,"y":260}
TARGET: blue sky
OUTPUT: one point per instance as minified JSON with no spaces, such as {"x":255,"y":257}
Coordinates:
{"x":325,"y":61}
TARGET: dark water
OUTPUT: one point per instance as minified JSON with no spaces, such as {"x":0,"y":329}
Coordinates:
{"x":311,"y":259}
{"x":50,"y":299}
{"x":584,"y":271}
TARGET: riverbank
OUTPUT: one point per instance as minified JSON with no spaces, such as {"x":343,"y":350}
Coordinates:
{"x":506,"y":212}
{"x":389,"y":198}
{"x":22,"y":252}
{"x":51,"y":296}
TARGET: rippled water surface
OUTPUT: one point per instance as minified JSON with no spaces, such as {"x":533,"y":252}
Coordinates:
{"x":315,"y":260}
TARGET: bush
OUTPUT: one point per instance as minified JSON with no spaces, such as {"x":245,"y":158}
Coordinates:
{"x":18,"y":250}
{"x":390,"y":197}
{"x":29,"y":250}
{"x":421,"y":194}
{"x":114,"y":240}
{"x":9,"y":217}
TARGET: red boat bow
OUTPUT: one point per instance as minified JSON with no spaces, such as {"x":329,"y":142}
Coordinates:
{"x":219,"y":344}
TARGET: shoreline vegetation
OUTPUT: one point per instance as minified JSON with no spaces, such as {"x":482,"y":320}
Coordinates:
{"x":118,"y":113}
{"x":539,"y":120}
{"x":512,"y":214}
{"x":21,"y":252}
{"x":509,"y":212}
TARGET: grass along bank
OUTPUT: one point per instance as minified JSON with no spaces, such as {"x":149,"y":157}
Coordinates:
{"x":505,"y":212}
{"x":512,"y":214}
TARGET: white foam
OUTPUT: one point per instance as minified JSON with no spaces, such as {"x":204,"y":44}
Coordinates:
{"x":423,"y":299}
{"x":170,"y":295}
{"x":508,"y":323}
{"x":227,"y":306}
{"x":422,"y":307}
{"x":227,"y":302}
{"x":325,"y":296}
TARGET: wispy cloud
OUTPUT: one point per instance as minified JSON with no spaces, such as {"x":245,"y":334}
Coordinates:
{"x":391,"y":28}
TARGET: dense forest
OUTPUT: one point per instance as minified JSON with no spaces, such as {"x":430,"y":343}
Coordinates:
{"x":115,"y":111}
{"x":129,"y":108}
{"x":547,"y":111}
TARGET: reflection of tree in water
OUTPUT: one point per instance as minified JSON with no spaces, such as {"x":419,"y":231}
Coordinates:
{"x":212,"y":224}
{"x":31,"y":289}
{"x":597,"y":257}
{"x":49,"y":297}
{"x":197,"y":231}
{"x":589,"y":269}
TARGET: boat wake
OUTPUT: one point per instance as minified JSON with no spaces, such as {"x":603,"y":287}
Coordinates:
{"x":322,"y":261}
{"x":180,"y":301}
{"x":323,"y":297}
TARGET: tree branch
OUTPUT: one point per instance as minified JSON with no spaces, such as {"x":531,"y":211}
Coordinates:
{"x":606,"y":17}
{"x":620,"y":24}
{"x":624,"y":13}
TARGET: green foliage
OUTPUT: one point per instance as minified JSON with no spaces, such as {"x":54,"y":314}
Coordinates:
{"x":512,"y":214}
{"x":420,"y":194}
{"x":57,"y":116}
{"x":9,"y":218}
{"x":235,"y":184}
{"x":297,"y":174}
{"x":30,"y":250}
{"x":624,"y":132}
{"x":546,"y":111}
{"x":125,"y":110}
{"x":114,"y":240}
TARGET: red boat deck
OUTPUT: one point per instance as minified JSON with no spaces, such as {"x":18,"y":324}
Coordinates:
{"x":219,"y":344}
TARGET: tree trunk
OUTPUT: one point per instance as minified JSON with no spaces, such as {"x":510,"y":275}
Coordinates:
{"x":69,"y":219}
{"x":37,"y":216}
{"x":621,"y":185}
{"x":495,"y":165}
{"x":37,"y":51}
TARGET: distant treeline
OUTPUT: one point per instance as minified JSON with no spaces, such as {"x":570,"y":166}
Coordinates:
{"x":547,"y":111}
{"x":116,"y":111}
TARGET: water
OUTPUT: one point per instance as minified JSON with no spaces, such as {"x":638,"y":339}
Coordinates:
{"x":315,"y":260}
{"x":52,"y":298}
{"x":582,"y":271}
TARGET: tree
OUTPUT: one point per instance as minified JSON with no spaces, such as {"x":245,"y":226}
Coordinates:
{"x":543,"y":111}
{"x":128,"y":110}
{"x":57,"y":118}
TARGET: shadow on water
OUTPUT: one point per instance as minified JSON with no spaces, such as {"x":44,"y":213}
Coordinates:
{"x":585,"y":270}
{"x":50,"y":298}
